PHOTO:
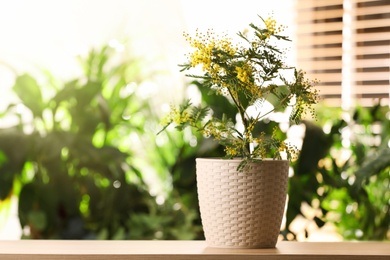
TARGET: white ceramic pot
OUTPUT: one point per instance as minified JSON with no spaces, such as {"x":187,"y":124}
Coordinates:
{"x":241,"y":209}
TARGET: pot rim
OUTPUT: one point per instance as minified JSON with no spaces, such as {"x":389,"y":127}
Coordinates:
{"x":219,"y":159}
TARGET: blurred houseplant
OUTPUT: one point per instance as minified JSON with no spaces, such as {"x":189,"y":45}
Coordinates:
{"x":344,"y":173}
{"x":72,"y":163}
{"x":64,"y":163}
{"x":249,"y":76}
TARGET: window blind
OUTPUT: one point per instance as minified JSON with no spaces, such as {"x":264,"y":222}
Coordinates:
{"x":345,"y":44}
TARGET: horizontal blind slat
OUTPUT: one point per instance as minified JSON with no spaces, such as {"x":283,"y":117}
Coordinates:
{"x":371,"y":10}
{"x":310,"y":65}
{"x":321,"y":27}
{"x":328,"y":65}
{"x":382,"y":49}
{"x":306,"y":39}
{"x":373,"y":76}
{"x":329,"y":90}
{"x":326,"y":77}
{"x":378,"y":23}
{"x":320,"y":52}
{"x":309,"y":16}
{"x":372,"y":63}
{"x":369,"y":1}
{"x":367,"y":37}
{"x":318,"y":3}
{"x":376,"y":89}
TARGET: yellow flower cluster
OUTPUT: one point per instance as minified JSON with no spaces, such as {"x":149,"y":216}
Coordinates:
{"x":206,"y":49}
{"x":272,"y":27}
{"x":306,"y":97}
{"x":236,"y":147}
{"x":176,"y":116}
{"x":217,"y":130}
{"x":244,"y":74}
{"x":202,"y":55}
{"x":231,"y":152}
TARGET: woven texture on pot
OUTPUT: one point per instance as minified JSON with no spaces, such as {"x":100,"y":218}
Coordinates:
{"x":241,"y":209}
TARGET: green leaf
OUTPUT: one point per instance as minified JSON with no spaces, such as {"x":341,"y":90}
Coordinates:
{"x":186,"y":104}
{"x":199,"y":113}
{"x":280,"y":93}
{"x":103,"y":234}
{"x":67,"y":92}
{"x":29,"y":92}
{"x":37,"y":219}
{"x":6,"y":183}
{"x":373,"y":166}
{"x":87,"y":93}
{"x":119,"y":234}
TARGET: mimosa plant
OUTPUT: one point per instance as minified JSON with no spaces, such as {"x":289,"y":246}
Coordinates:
{"x":248,"y":74}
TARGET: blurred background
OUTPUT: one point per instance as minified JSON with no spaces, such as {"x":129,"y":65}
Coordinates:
{"x":84,"y":85}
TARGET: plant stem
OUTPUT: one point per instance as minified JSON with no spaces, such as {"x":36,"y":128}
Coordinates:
{"x":272,"y":110}
{"x":241,"y":110}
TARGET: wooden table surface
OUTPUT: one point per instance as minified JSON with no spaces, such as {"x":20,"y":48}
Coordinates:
{"x":129,"y":249}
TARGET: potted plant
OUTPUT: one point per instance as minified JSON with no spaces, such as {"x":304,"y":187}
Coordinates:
{"x":242,"y":197}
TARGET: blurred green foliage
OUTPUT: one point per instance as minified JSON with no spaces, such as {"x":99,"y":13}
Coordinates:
{"x":344,"y":174}
{"x":71,"y":159}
